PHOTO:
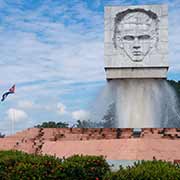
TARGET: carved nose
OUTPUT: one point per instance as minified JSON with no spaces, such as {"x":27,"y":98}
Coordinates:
{"x":136,"y":47}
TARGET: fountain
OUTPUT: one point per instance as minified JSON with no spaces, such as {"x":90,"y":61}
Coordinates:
{"x":136,"y":65}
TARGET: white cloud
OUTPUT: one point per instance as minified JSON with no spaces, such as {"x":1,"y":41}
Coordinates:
{"x":61,"y":108}
{"x":25,"y":104}
{"x":16,"y":115}
{"x":29,"y":105}
{"x":40,"y":48}
{"x":80,"y":115}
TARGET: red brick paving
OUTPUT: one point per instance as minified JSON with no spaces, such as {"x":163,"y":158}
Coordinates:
{"x":115,"y":144}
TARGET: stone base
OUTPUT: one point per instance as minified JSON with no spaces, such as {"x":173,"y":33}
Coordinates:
{"x":143,"y":72}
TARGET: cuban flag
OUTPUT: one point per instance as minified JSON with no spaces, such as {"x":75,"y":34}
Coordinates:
{"x":11,"y":91}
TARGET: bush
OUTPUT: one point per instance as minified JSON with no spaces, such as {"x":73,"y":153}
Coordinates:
{"x":149,"y":170}
{"x":17,"y":165}
{"x":86,"y":167}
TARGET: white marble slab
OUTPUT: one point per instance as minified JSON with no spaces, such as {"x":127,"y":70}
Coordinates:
{"x":136,"y":36}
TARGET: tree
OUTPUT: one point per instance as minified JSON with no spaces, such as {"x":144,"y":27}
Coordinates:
{"x":2,"y":135}
{"x":52,"y":124}
{"x":176,"y":87}
{"x":109,"y":118}
{"x":88,"y":124}
{"x":83,"y":124}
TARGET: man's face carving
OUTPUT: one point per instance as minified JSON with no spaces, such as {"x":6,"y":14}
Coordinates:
{"x":136,"y":35}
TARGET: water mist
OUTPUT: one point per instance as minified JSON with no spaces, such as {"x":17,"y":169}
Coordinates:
{"x":137,"y":103}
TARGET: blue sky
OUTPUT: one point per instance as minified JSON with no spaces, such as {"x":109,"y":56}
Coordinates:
{"x":53,"y":51}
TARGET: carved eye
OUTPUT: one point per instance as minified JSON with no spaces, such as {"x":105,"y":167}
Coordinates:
{"x":129,"y":38}
{"x":144,"y":37}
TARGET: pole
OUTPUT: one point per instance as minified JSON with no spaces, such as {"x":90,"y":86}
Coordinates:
{"x":12,"y":124}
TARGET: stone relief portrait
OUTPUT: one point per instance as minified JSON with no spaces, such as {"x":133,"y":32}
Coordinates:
{"x":136,"y":33}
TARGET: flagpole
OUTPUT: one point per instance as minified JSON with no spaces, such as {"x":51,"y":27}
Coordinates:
{"x":4,"y":96}
{"x":12,"y":125}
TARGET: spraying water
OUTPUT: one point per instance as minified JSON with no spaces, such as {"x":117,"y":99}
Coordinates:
{"x":138,"y":103}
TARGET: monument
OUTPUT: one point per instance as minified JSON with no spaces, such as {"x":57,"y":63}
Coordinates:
{"x":136,"y":41}
{"x":136,"y":66}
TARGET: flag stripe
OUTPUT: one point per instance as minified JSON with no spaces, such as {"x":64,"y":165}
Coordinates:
{"x":11,"y":91}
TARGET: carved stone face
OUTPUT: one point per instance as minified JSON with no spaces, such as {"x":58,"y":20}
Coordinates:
{"x":136,"y":34}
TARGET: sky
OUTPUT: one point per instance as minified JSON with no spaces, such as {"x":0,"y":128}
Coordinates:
{"x":53,"y":50}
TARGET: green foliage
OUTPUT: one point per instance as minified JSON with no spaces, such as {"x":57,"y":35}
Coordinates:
{"x":109,"y":117}
{"x":82,"y":124}
{"x":88,"y":124}
{"x":108,"y":120}
{"x":17,"y":165}
{"x":87,"y":167}
{"x":52,"y":124}
{"x":176,"y":87}
{"x":148,"y":170}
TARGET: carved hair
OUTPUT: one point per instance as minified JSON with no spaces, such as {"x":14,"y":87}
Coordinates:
{"x":122,"y":14}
